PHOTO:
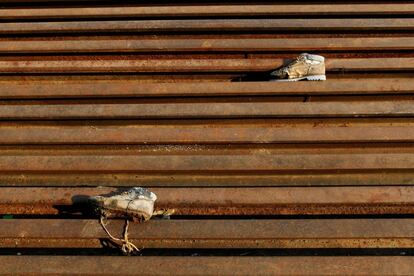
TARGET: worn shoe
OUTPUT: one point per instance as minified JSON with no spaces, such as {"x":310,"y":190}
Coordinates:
{"x":306,"y":66}
{"x":137,"y":202}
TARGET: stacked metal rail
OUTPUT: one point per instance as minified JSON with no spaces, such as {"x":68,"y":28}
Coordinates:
{"x":97,"y":96}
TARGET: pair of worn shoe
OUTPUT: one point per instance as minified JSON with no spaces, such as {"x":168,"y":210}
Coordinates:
{"x":305,"y":67}
{"x":138,"y":203}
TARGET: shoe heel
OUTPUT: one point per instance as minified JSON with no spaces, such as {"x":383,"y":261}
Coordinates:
{"x":316,"y":78}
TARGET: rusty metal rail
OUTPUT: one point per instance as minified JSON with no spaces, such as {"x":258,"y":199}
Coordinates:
{"x":309,"y":233}
{"x":88,"y":265}
{"x":224,"y":201}
{"x":226,"y":108}
{"x":218,"y":44}
{"x":209,"y":25}
{"x":228,"y":10}
{"x":200,"y":132}
{"x":213,"y":63}
{"x":202,"y":179}
{"x":135,"y":88}
{"x":254,"y":158}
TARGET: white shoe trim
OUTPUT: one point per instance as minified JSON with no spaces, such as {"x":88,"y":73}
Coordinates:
{"x":310,"y":78}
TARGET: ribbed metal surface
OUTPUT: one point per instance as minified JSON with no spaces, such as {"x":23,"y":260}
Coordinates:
{"x":98,"y":96}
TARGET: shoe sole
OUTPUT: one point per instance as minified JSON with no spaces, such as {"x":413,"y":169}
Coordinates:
{"x":309,"y":78}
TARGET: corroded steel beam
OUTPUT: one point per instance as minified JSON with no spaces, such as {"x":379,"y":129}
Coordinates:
{"x":136,"y":88}
{"x":206,"y":10}
{"x":230,"y":265}
{"x":201,"y":132}
{"x":210,"y":25}
{"x":113,"y":44}
{"x":189,"y":179}
{"x":210,"y":108}
{"x":306,"y":233}
{"x":65,"y":65}
{"x":225,"y":201}
{"x":198,"y":158}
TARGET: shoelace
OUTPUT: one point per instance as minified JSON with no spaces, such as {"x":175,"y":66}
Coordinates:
{"x":290,"y":65}
{"x":298,"y":59}
{"x":126,"y":246}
